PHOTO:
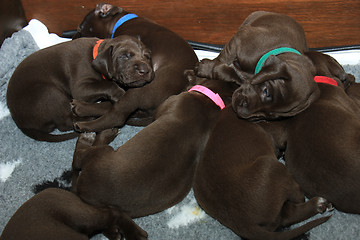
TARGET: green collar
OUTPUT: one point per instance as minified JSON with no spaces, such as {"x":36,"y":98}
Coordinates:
{"x":276,"y":51}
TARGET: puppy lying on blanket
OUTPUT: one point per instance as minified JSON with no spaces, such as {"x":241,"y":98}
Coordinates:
{"x":266,"y":57}
{"x":57,"y":214}
{"x":323,"y":144}
{"x":171,"y":56}
{"x":240,"y":182}
{"x":154,"y":169}
{"x":43,"y":85}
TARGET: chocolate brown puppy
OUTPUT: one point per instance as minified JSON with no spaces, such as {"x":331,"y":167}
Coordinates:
{"x":240,"y":182}
{"x":266,"y":57}
{"x":321,"y":144}
{"x":58,"y":214}
{"x":154,"y":169}
{"x":43,"y":85}
{"x":171,"y":56}
{"x":323,"y":147}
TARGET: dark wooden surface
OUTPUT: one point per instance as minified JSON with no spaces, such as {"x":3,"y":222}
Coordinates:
{"x":327,"y":23}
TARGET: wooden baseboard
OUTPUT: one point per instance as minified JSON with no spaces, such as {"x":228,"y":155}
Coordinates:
{"x":327,"y":23}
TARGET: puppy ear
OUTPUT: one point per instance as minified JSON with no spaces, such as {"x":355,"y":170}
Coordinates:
{"x":273,"y":68}
{"x":190,"y":76}
{"x":103,"y":62}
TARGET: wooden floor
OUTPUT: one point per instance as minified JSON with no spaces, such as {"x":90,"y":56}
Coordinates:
{"x":327,"y":23}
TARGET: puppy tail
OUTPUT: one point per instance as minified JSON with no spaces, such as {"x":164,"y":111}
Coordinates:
{"x":261,"y":234}
{"x":48,"y":137}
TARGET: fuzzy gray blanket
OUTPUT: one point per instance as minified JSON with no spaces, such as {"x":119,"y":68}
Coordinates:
{"x":26,"y":163}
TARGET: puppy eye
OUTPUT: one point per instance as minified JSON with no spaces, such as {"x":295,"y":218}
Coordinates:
{"x":126,"y":56}
{"x":266,"y":94}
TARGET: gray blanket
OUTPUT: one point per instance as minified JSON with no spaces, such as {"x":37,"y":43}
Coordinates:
{"x":25,"y":163}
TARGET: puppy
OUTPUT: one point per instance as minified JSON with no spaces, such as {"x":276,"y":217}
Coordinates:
{"x":327,"y":66}
{"x":58,"y":214}
{"x":240,"y":182}
{"x":171,"y":56}
{"x":323,"y":147}
{"x":266,"y":57}
{"x":321,"y":143}
{"x":154,"y":169}
{"x":43,"y":85}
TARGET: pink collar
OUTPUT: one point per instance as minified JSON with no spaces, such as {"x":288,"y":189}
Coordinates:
{"x":210,"y":94}
{"x":323,"y":79}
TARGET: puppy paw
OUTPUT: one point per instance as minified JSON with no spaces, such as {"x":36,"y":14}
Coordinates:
{"x":107,"y":136}
{"x":323,"y":205}
{"x":87,"y":137}
{"x":204,"y":68}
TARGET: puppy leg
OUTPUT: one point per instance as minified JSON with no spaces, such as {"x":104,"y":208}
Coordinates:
{"x":296,"y":212}
{"x":124,"y":225}
{"x":90,"y":146}
{"x":86,"y":109}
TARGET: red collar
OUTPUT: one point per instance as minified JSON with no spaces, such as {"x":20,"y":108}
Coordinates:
{"x":96,"y":51}
{"x":323,"y":79}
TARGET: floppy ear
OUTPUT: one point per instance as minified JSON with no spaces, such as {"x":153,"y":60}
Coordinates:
{"x":273,"y":68}
{"x":103,"y":62}
{"x":228,"y":53}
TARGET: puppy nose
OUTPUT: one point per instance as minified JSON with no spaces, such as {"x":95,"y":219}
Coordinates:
{"x":142,"y":69}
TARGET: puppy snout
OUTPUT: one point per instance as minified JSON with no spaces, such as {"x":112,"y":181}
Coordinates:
{"x":142,"y":69}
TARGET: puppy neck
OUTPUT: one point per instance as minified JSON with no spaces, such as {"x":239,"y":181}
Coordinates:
{"x":324,"y":79}
{"x":210,"y":94}
{"x":122,"y":20}
{"x":275,"y":51}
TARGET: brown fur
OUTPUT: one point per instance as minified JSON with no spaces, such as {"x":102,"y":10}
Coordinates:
{"x":43,"y":85}
{"x":58,"y":214}
{"x":171,"y":56}
{"x":284,"y":86}
{"x":240,"y":182}
{"x":154,"y":169}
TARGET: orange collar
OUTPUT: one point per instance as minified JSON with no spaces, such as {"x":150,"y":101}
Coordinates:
{"x":96,"y":51}
{"x":96,"y":48}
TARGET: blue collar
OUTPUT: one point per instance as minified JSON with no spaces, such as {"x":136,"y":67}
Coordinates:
{"x":276,"y":51}
{"x":122,"y":20}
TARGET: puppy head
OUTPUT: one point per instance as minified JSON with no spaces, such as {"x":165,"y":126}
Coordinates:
{"x":99,"y":22}
{"x":125,"y":60}
{"x":284,"y":87}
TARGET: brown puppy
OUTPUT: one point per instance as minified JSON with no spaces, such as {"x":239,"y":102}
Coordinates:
{"x":57,"y":214}
{"x":321,"y":143}
{"x":171,"y":56}
{"x":327,"y":66}
{"x":266,"y":57}
{"x":154,"y":169}
{"x":240,"y":182}
{"x":43,"y":85}
{"x":323,"y":147}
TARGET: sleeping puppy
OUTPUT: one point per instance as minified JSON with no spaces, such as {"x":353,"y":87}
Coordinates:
{"x":154,"y":169}
{"x":327,"y":66}
{"x":323,"y":147}
{"x":43,"y":85}
{"x":57,"y":214}
{"x":240,"y":182}
{"x":266,"y":57}
{"x":171,"y":56}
